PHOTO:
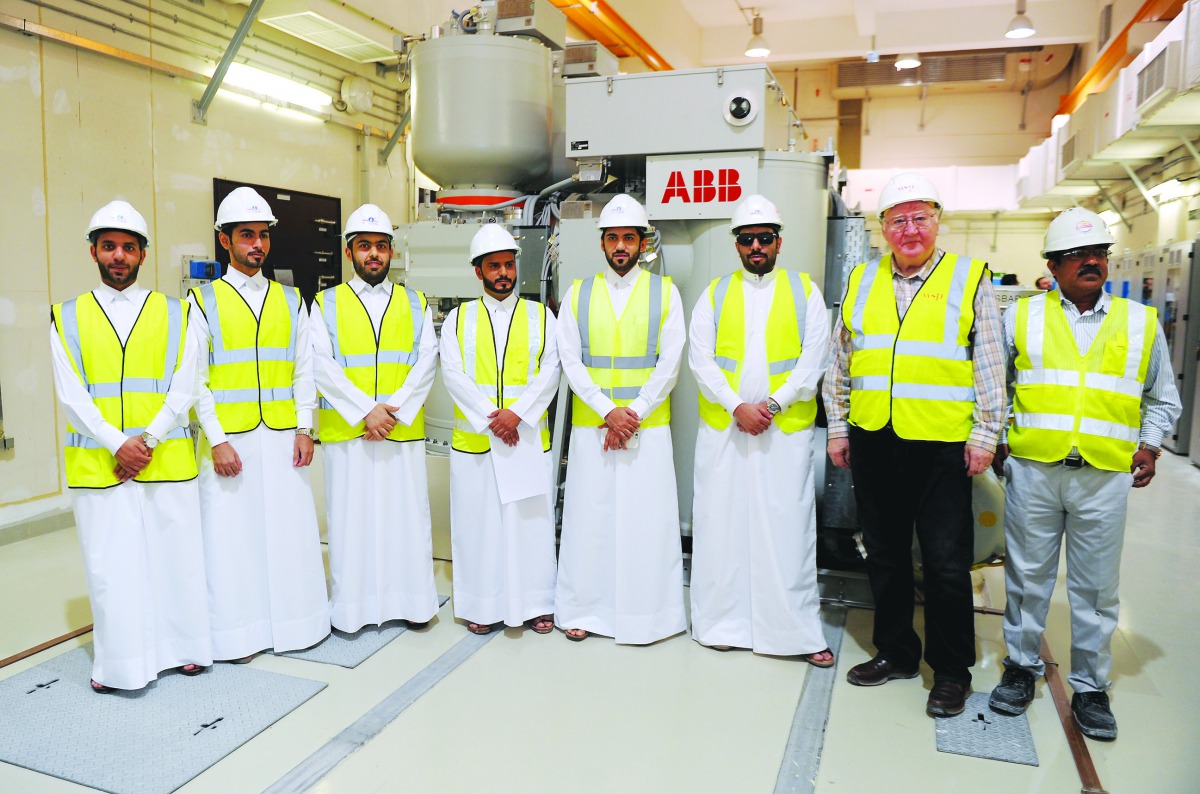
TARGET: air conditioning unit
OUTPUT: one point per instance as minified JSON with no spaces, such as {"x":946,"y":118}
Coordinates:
{"x":1110,"y":120}
{"x":1159,"y":81}
{"x":1077,"y":140}
{"x":1191,"y":55}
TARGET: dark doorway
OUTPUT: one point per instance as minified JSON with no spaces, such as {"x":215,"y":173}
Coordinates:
{"x":306,"y":246}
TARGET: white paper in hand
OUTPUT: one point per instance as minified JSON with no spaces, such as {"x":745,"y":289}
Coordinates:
{"x":520,"y":470}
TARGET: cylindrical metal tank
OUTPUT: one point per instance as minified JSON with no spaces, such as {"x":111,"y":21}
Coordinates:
{"x":481,"y":113}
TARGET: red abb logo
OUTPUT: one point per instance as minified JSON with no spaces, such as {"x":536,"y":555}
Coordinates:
{"x":703,"y":189}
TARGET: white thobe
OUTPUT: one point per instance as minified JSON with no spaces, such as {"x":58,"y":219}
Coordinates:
{"x":754,"y":529}
{"x":376,"y":492}
{"x":504,"y":566}
{"x":262,"y":545}
{"x":142,"y":553}
{"x":620,"y":565}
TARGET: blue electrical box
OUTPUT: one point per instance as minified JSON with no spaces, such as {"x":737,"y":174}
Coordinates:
{"x":199,"y":268}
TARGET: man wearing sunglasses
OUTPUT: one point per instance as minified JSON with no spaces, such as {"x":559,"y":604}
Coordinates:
{"x":915,"y":400}
{"x":1091,"y":394}
{"x":759,"y":338}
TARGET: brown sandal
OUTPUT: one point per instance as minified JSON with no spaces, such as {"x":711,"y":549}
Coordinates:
{"x":479,"y":628}
{"x":545,"y":621}
{"x":809,"y":657}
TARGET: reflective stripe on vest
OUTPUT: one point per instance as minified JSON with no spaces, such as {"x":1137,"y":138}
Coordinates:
{"x":915,"y":373}
{"x":501,"y":377}
{"x":621,"y":353}
{"x":378,"y":364}
{"x":784,"y":336}
{"x":128,"y":384}
{"x":251,"y":359}
{"x":1100,"y":391}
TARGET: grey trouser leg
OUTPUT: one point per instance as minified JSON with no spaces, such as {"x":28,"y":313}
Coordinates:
{"x":1044,"y":501}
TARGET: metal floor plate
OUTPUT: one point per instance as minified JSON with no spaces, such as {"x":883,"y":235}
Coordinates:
{"x":150,"y":741}
{"x":351,"y":650}
{"x":983,"y":733}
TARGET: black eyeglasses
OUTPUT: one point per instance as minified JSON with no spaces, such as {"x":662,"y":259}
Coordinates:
{"x":1085,"y":252}
{"x":746,"y":239}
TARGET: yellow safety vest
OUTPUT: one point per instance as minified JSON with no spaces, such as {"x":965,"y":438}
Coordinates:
{"x":784,"y":342}
{"x":1092,"y":401}
{"x":128,"y":384}
{"x":377,"y":366}
{"x":251,"y":359}
{"x":915,"y":374}
{"x":502,"y":384}
{"x":621,"y":354}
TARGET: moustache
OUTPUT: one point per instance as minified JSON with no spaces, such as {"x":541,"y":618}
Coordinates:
{"x":1089,"y":269}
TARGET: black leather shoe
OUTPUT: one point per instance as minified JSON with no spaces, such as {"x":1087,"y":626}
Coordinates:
{"x":876,"y":672}
{"x":1093,"y":715}
{"x":1014,"y":693}
{"x":947,"y":698}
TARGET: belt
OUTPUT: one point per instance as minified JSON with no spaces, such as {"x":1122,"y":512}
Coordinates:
{"x":1075,"y":462}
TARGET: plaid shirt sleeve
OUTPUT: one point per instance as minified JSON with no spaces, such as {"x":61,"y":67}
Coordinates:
{"x":988,"y":364}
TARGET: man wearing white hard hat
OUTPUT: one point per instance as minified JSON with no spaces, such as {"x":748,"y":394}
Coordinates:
{"x":620,"y":337}
{"x":125,"y":373}
{"x":759,"y":338}
{"x":1092,"y":394}
{"x":915,"y":401}
{"x":374,"y":354}
{"x":500,"y":364}
{"x":266,"y":579}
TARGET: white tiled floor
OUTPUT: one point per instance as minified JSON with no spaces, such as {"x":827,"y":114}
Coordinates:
{"x":536,"y":713}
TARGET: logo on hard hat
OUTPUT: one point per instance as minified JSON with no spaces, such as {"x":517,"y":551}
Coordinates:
{"x":618,"y":209}
{"x":121,"y":218}
{"x":1083,"y":226}
{"x":371,"y":220}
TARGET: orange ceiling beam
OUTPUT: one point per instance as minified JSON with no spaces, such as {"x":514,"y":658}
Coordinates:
{"x":1116,"y":55}
{"x":597,"y":19}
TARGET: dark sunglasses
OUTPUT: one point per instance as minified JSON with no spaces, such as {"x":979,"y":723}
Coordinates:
{"x":746,"y":239}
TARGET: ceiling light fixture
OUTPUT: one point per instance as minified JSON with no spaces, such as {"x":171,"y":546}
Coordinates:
{"x":1021,"y":27}
{"x":909,"y":60}
{"x":757,"y":47}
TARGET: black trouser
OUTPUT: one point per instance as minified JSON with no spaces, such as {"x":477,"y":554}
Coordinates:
{"x":899,"y":484}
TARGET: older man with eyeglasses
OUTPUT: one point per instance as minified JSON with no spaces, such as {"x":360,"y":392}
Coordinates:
{"x":915,"y":401}
{"x":1092,"y":394}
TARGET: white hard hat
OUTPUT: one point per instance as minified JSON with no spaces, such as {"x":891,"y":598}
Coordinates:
{"x":907,"y":187}
{"x":492,"y":238}
{"x":1073,"y":228}
{"x":367,"y":218}
{"x":623,"y":210}
{"x":122,"y":216}
{"x":755,"y":211}
{"x":244,"y":205}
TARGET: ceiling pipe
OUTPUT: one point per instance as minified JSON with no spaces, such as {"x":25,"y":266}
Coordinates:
{"x":597,"y":19}
{"x":1116,"y":55}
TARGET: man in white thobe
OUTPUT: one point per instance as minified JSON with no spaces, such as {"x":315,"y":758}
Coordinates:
{"x":502,"y":372}
{"x":759,"y":339}
{"x":124,"y":371}
{"x":262,"y":546}
{"x":620,"y":340}
{"x":374,"y":355}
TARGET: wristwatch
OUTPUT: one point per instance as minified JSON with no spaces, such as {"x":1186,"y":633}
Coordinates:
{"x":1156,"y":450}
{"x":306,"y":431}
{"x":773,"y":406}
{"x":150,"y":441}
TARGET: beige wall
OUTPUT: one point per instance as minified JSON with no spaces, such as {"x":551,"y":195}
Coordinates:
{"x":82,"y":129}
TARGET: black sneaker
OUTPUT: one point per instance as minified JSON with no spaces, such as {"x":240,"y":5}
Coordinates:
{"x":1014,"y":692}
{"x":1093,"y":716}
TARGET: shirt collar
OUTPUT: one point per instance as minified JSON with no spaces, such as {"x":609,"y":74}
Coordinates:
{"x":239,"y":279}
{"x":506,"y":305}
{"x":926,"y":268}
{"x":361,"y":287}
{"x":1101,"y":306}
{"x":757,"y":281}
{"x":626,"y":280}
{"x":107,"y":295}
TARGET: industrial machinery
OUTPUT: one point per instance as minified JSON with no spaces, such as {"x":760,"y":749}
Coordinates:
{"x":688,"y":144}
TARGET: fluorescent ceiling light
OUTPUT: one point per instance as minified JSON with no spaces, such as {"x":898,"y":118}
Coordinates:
{"x":276,"y":87}
{"x":909,"y":60}
{"x":1021,"y":27}
{"x":757,"y":47}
